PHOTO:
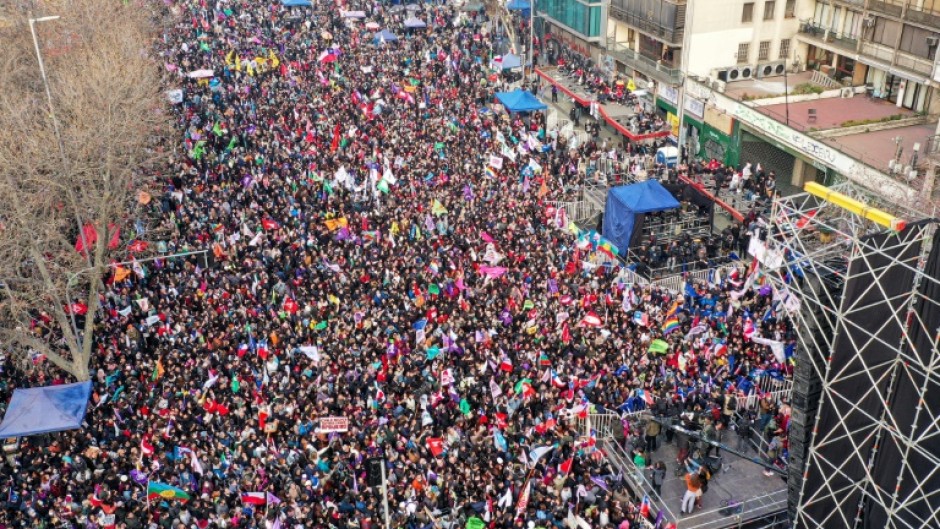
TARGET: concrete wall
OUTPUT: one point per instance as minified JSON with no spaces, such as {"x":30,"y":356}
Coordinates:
{"x":717,"y":30}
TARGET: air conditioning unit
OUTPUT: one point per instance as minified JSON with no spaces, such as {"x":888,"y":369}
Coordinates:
{"x":771,"y":69}
{"x":932,"y":42}
{"x":846,"y":93}
{"x":718,"y":86}
{"x":740,"y":73}
{"x":869,"y":22}
{"x":721,"y":74}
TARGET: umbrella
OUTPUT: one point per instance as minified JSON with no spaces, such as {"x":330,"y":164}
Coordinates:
{"x":372,"y":25}
{"x":412,"y":23}
{"x":354,"y":14}
{"x":200,"y":74}
{"x":326,"y":35}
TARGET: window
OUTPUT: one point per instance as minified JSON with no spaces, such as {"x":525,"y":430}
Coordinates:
{"x":784,"y":49}
{"x":763,"y":51}
{"x":744,"y":51}
{"x":748,"y":14}
{"x":919,"y":42}
{"x":790,"y":10}
{"x":769,"y":8}
{"x":886,"y":31}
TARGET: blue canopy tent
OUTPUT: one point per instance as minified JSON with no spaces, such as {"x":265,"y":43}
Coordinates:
{"x":34,"y":411}
{"x":384,"y":36}
{"x":519,"y":5}
{"x":297,"y":3}
{"x":511,"y":61}
{"x":625,"y":203}
{"x":520,"y":100}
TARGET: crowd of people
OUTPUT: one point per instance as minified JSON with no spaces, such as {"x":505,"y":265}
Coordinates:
{"x":369,"y":260}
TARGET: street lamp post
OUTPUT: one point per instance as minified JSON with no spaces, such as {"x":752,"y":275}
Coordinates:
{"x":55,"y":121}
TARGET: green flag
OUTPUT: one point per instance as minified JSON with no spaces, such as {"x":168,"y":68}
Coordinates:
{"x":320,"y":326}
{"x":236,"y":385}
{"x":475,"y":523}
{"x":204,"y":46}
{"x":434,"y":289}
{"x":464,"y":407}
{"x":382,"y":186}
{"x":659,"y":347}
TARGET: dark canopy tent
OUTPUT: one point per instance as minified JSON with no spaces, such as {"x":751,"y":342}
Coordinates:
{"x":34,"y":411}
{"x":520,"y":100}
{"x":625,"y":203}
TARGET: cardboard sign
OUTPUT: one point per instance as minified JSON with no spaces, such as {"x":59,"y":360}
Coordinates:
{"x":333,"y":424}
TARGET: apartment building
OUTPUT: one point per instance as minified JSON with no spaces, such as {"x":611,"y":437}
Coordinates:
{"x":888,"y":46}
{"x":728,"y":39}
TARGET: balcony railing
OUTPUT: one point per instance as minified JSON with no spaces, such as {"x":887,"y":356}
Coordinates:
{"x":841,"y":40}
{"x":884,"y":7}
{"x":672,"y":36}
{"x":915,"y":64}
{"x":652,"y":68}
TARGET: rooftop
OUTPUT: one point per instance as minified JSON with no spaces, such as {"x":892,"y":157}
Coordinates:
{"x":876,"y":148}
{"x":767,"y":86}
{"x":834,"y":112}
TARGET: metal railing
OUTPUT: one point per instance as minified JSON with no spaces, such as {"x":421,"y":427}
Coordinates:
{"x":738,"y":512}
{"x":651,"y":67}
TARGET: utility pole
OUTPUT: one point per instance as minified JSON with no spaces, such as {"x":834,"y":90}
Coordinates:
{"x":388,"y":524}
{"x":683,"y":74}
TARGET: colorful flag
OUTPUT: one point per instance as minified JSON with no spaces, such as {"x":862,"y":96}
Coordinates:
{"x":670,"y":325}
{"x":160,"y":491}
{"x":590,"y":320}
{"x":490,"y":172}
{"x":254,"y":498}
{"x":565,"y":467}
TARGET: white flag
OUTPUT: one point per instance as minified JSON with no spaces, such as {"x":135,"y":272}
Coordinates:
{"x":496,"y":162}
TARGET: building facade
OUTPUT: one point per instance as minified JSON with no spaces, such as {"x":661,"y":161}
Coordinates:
{"x":890,"y":47}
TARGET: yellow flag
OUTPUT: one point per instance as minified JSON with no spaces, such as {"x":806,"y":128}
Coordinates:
{"x":275,"y":62}
{"x":631,"y":86}
{"x":238,"y":63}
{"x":335,"y":224}
{"x":437,"y":208}
{"x":230,"y":58}
{"x":120,"y":273}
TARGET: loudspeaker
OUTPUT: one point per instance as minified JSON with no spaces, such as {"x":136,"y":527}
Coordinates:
{"x":374,"y":472}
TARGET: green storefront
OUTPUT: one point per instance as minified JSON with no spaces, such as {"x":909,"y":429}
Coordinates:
{"x":712,"y":142}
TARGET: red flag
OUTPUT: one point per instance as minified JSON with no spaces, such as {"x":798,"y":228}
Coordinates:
{"x":590,"y":320}
{"x":290,"y":305}
{"x":335,"y":143}
{"x":90,"y":237}
{"x":78,"y":308}
{"x":565,"y":467}
{"x":269,"y":224}
{"x":137,"y":246}
{"x":145,"y":447}
{"x":565,"y":333}
{"x":436,"y":445}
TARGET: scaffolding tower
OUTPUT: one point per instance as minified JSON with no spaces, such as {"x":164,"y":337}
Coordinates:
{"x":864,"y":439}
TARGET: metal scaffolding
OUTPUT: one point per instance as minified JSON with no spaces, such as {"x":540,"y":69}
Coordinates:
{"x":812,"y":250}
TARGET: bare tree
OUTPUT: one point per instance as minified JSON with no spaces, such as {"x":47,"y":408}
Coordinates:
{"x":71,"y":170}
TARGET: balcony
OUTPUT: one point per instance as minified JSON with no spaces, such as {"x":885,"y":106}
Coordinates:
{"x":649,"y":67}
{"x":915,"y":64}
{"x":663,"y":20}
{"x":671,"y":36}
{"x":884,"y":7}
{"x":839,"y":40}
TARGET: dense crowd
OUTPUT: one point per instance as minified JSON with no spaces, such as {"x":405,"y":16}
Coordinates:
{"x":368,"y":261}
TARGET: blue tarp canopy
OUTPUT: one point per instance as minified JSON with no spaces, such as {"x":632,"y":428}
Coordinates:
{"x":520,"y":100}
{"x":518,"y":5}
{"x":511,"y":61}
{"x":297,"y":3}
{"x":34,"y":411}
{"x":624,"y":203}
{"x":385,"y":36}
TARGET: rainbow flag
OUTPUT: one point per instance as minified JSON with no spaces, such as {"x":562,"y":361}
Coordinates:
{"x":160,"y":491}
{"x":490,"y":172}
{"x":671,"y":324}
